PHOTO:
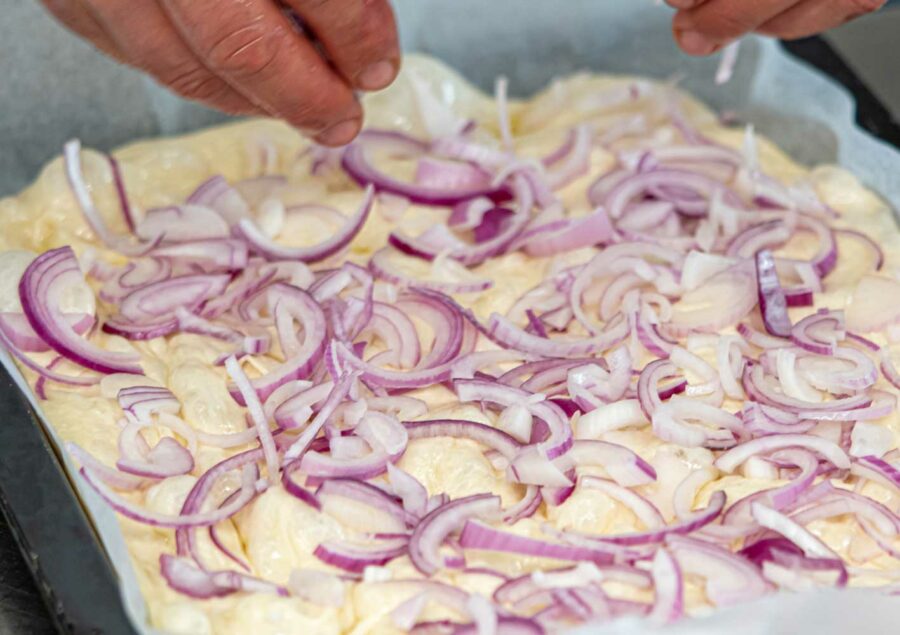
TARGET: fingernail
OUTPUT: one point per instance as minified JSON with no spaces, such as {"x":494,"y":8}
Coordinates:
{"x":376,"y":76}
{"x":339,"y":134}
{"x":695,"y":43}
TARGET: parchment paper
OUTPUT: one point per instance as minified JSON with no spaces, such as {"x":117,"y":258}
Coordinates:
{"x":56,"y":87}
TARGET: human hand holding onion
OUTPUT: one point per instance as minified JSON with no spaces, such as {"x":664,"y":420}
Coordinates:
{"x":702,"y":27}
{"x":250,"y":57}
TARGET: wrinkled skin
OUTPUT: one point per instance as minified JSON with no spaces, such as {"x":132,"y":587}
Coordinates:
{"x":702,"y":27}
{"x":248,"y":56}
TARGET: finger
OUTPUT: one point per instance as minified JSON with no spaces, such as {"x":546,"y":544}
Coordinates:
{"x":684,"y":4}
{"x":814,"y":16}
{"x":78,"y":19}
{"x":706,"y":28}
{"x":359,"y":37}
{"x":143,"y":34}
{"x":252,"y":46}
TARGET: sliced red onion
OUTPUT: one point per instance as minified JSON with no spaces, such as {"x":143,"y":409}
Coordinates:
{"x":185,"y":577}
{"x":668,"y":605}
{"x":772,"y":303}
{"x":184,"y":520}
{"x":217,"y":194}
{"x":839,"y":502}
{"x":222,"y":254}
{"x":167,"y":458}
{"x":356,"y":557}
{"x":260,"y":422}
{"x":560,"y":437}
{"x":317,"y":587}
{"x":807,"y":332}
{"x":38,"y":290}
{"x":382,"y":267}
{"x":18,"y":331}
{"x":303,"y":308}
{"x":265,"y":246}
{"x":874,"y":247}
{"x":623,"y":465}
{"x":729,"y":578}
{"x":433,"y":529}
{"x":458,"y":428}
{"x":732,"y":459}
{"x":182,"y":223}
{"x":477,"y":535}
{"x":159,"y":300}
{"x":320,"y":465}
{"x":409,"y":489}
{"x":295,"y":489}
{"x":724,"y":300}
{"x":338,"y":393}
{"x":797,"y":534}
{"x":881,"y":470}
{"x":110,"y":476}
{"x":645,"y":511}
{"x":46,"y":372}
{"x":75,"y":176}
{"x":359,"y":166}
{"x":382,"y":513}
{"x":511,"y":336}
{"x":119,"y":184}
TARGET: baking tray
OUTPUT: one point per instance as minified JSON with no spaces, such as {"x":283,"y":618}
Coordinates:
{"x":73,"y":573}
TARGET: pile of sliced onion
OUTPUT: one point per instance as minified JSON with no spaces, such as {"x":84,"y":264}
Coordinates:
{"x":687,"y":239}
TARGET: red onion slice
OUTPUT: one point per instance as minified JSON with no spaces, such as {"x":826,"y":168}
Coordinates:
{"x":39,"y":290}
{"x":769,"y":518}
{"x":355,"y":558}
{"x":258,"y":416}
{"x":302,"y":307}
{"x":263,"y":245}
{"x":359,"y":166}
{"x":167,"y":458}
{"x":184,"y":520}
{"x":772,"y":303}
{"x":668,"y":605}
{"x":433,"y":529}
{"x":18,"y":331}
{"x":75,"y":176}
{"x":729,"y":578}
{"x":477,"y":535}
{"x":217,"y":194}
{"x":182,"y":223}
{"x":185,"y":577}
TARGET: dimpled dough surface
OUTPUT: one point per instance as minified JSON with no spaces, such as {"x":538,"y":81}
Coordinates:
{"x":277,"y":533}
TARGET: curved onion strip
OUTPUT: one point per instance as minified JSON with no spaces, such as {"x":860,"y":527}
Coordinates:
{"x":262,"y":244}
{"x":437,"y":525}
{"x":38,"y":290}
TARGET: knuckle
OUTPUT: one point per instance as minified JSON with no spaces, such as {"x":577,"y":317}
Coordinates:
{"x":317,"y":112}
{"x":194,"y":82}
{"x":728,"y":24}
{"x":246,"y":51}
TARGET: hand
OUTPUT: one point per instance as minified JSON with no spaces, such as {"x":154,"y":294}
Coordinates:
{"x":247,"y":57}
{"x":704,"y":26}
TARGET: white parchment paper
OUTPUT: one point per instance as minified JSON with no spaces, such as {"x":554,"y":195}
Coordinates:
{"x":57,"y":88}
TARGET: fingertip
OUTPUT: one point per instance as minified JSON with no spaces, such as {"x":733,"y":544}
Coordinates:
{"x":694,"y":42}
{"x":340,"y":133}
{"x":378,"y":75}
